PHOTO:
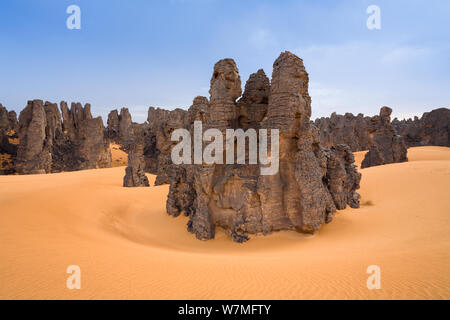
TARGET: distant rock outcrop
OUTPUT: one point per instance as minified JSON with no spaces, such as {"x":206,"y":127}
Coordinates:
{"x":158,"y":145}
{"x":8,"y":120}
{"x":386,"y":146}
{"x":135,"y":172}
{"x":120,"y":126}
{"x":310,"y":184}
{"x":47,"y":144}
{"x":432,"y":129}
{"x":34,"y":153}
{"x":344,"y":129}
{"x":8,"y":133}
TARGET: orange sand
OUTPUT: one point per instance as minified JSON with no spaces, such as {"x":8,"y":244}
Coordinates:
{"x":127,"y":247}
{"x":119,"y":158}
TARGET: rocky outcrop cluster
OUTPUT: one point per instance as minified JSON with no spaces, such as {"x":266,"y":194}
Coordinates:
{"x":8,"y":136}
{"x":432,"y":129}
{"x":311,"y":183}
{"x":158,"y":145}
{"x":134,"y":139}
{"x":54,"y":141}
{"x":120,"y":127}
{"x":344,"y":129}
{"x":386,"y":146}
{"x":376,"y":134}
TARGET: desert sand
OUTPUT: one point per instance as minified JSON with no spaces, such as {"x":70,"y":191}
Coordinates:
{"x":128,"y":248}
{"x":118,"y":157}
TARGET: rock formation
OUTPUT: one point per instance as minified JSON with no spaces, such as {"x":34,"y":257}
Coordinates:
{"x":158,"y":145}
{"x":147,"y":145}
{"x":432,"y":129}
{"x":344,"y":129}
{"x":48,"y":145}
{"x":34,"y":154}
{"x":136,"y":144}
{"x":8,"y":137}
{"x":386,"y":146}
{"x":342,"y":178}
{"x":135,"y":172}
{"x":8,"y":120}
{"x":120,"y":126}
{"x":310,"y":184}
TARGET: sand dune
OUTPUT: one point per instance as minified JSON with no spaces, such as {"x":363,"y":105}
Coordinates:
{"x":127,"y":247}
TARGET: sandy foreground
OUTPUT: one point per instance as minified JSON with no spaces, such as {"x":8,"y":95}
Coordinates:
{"x":128,"y":247}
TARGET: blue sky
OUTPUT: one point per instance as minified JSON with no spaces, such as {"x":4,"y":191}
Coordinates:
{"x":136,"y":53}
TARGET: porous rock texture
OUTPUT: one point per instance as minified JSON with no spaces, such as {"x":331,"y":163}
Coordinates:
{"x":310,"y":184}
{"x":48,"y":144}
{"x":432,"y":129}
{"x":386,"y":146}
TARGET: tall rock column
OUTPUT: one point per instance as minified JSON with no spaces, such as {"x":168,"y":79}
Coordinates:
{"x":295,"y":195}
{"x":33,"y":154}
{"x":135,"y":171}
{"x":225,"y":88}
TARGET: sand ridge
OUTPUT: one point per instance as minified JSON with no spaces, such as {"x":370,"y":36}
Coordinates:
{"x":128,"y":248}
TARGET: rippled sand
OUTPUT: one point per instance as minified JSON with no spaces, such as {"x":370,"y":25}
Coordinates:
{"x":127,"y":247}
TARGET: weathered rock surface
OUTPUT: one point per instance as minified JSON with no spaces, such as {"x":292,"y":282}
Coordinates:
{"x":158,"y":145}
{"x":120,"y":126}
{"x":34,"y":154}
{"x":135,"y":172}
{"x":386,"y":146}
{"x":344,"y":129}
{"x":48,"y":145}
{"x":8,"y":132}
{"x":8,"y":120}
{"x":310,"y":184}
{"x":342,"y":178}
{"x":432,"y":129}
